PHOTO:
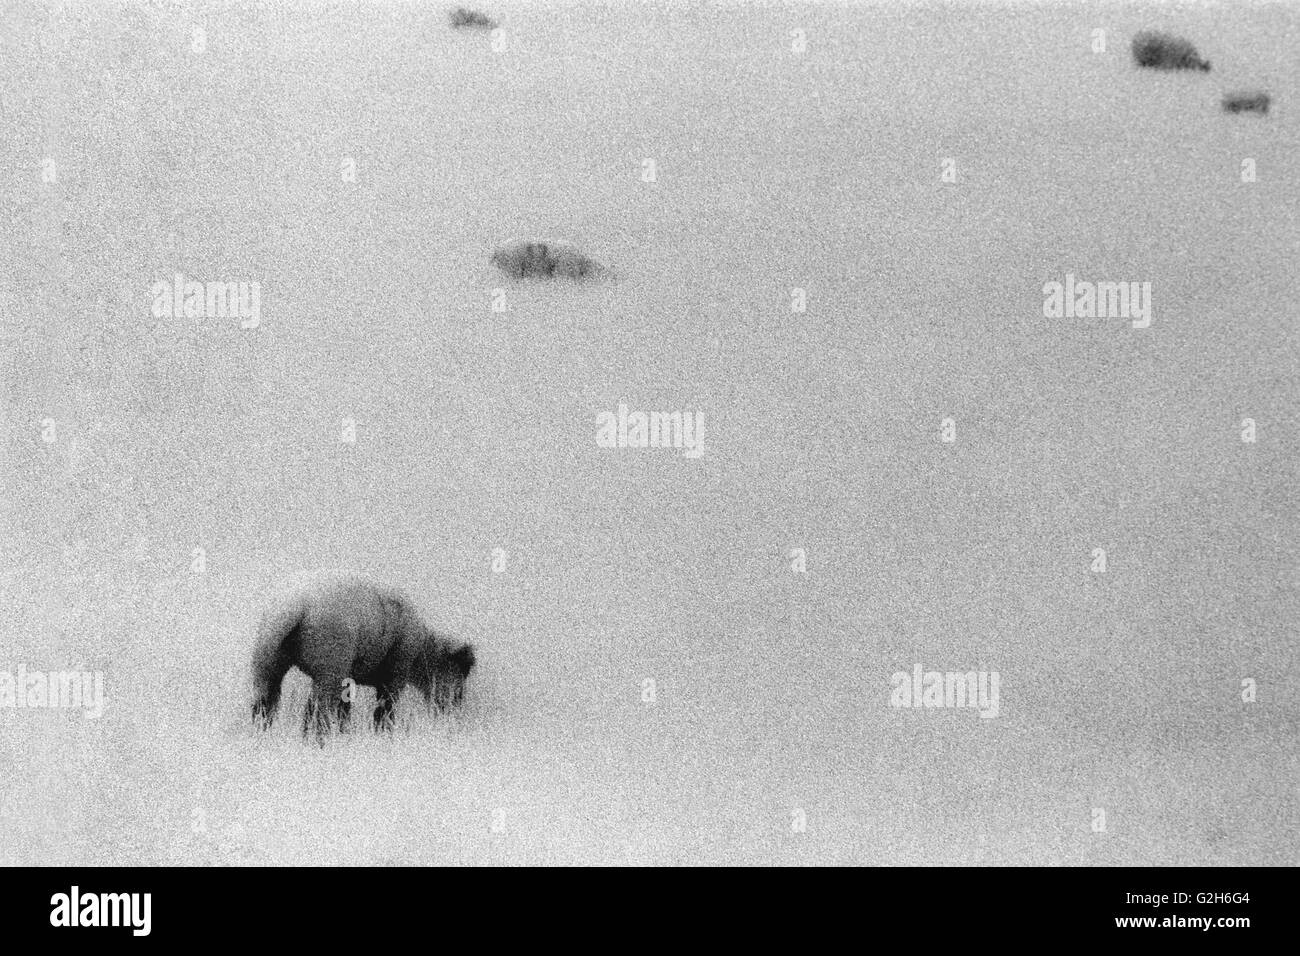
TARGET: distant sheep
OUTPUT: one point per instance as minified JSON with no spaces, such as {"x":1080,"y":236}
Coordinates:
{"x":1160,"y":51}
{"x":460,"y":18}
{"x":1253,"y":102}
{"x":546,"y":260}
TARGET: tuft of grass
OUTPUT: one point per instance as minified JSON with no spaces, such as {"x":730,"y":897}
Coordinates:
{"x":529,"y":259}
{"x":411,"y":717}
{"x":1247,"y":102}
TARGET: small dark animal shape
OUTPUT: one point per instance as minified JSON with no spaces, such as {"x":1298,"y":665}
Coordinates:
{"x":1160,"y":51}
{"x":461,"y":17}
{"x":1247,"y":103}
{"x":545,"y":260}
{"x":342,"y":629}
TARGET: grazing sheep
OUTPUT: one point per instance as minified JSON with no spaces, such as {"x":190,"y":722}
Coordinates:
{"x":460,"y":17}
{"x":545,"y":260}
{"x":1253,"y":102}
{"x":342,"y":628}
{"x":1160,"y":51}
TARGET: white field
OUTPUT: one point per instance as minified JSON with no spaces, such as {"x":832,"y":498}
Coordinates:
{"x":476,"y":430}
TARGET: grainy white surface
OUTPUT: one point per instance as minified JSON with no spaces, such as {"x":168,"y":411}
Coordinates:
{"x":775,"y":170}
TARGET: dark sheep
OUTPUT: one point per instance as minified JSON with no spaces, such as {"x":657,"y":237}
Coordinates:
{"x":460,"y":18}
{"x":1160,"y":51}
{"x":342,"y":628}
